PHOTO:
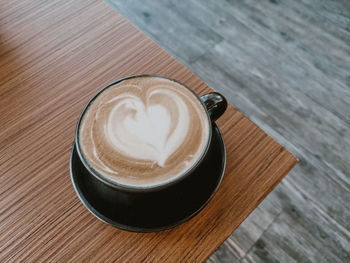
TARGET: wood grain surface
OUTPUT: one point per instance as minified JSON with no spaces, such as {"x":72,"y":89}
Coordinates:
{"x":53,"y":57}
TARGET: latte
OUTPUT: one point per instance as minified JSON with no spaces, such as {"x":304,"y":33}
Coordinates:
{"x":143,"y":131}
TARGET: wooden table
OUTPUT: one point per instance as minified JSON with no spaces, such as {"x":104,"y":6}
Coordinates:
{"x":54,"y":56}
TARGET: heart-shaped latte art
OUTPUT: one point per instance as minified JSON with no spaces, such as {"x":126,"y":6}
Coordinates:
{"x":148,"y":131}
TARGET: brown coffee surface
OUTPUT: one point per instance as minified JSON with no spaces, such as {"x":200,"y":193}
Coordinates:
{"x":143,"y":131}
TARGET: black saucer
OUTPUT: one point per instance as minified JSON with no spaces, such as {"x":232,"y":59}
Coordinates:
{"x":146,"y":212}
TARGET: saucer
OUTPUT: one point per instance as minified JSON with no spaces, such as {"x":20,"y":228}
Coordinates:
{"x":155,"y":211}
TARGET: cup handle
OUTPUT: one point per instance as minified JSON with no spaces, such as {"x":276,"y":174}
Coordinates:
{"x":215,"y":103}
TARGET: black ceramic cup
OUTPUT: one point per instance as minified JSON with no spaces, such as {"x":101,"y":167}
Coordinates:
{"x":149,"y":208}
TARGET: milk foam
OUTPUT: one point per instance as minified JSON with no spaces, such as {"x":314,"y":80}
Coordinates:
{"x":144,"y":131}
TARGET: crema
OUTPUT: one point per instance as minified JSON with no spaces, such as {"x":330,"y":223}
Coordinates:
{"x":143,"y":131}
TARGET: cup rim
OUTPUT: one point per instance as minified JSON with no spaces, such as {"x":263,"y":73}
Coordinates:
{"x":141,"y":188}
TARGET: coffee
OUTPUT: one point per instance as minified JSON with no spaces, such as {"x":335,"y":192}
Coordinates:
{"x":144,"y":131}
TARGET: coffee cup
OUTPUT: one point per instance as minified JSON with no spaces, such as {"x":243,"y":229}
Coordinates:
{"x":142,"y":140}
{"x":146,"y":132}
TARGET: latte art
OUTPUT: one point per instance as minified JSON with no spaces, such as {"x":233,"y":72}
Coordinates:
{"x":143,"y":131}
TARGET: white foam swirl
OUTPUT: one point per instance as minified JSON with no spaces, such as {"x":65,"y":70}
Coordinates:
{"x":147,"y":131}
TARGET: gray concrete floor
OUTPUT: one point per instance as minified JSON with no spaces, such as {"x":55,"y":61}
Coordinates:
{"x":286,"y":65}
